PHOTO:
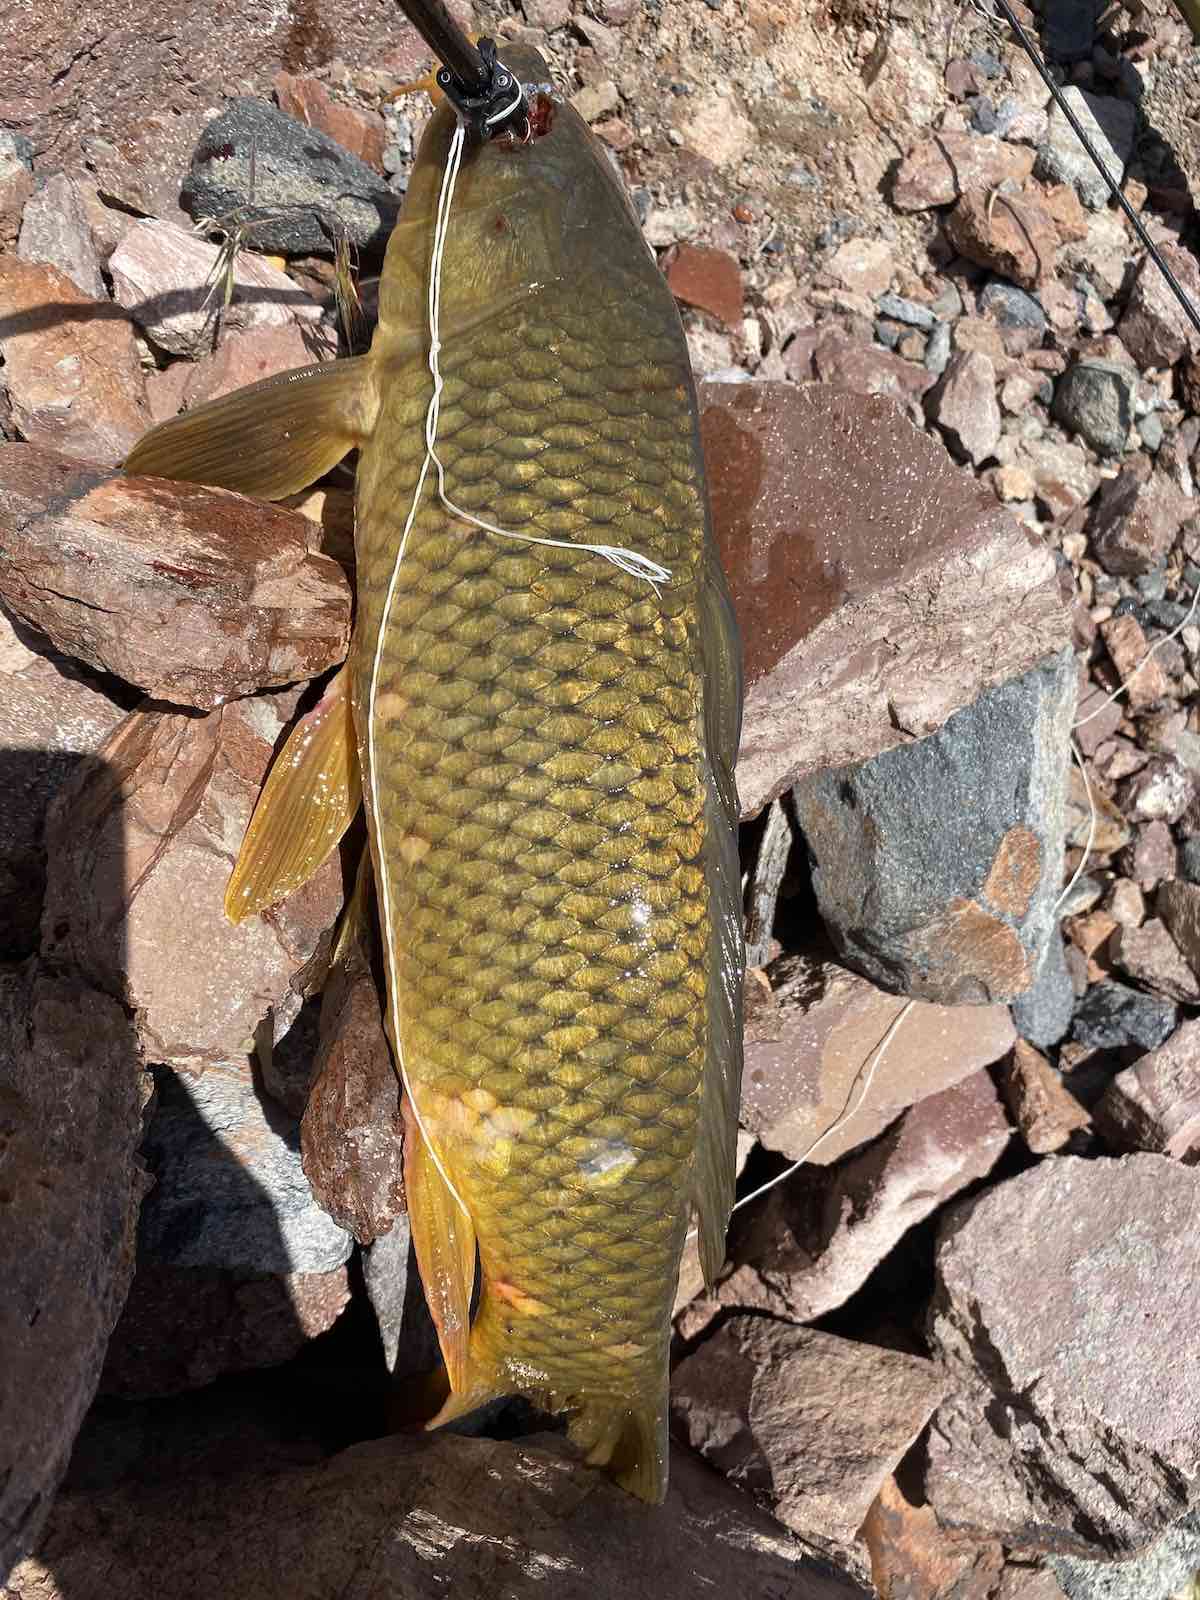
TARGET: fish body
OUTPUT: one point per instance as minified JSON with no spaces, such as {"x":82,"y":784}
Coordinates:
{"x":546,"y":745}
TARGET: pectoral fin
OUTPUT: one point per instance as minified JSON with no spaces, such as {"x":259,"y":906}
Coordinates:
{"x":270,"y":439}
{"x":443,"y":1237}
{"x":308,"y":801}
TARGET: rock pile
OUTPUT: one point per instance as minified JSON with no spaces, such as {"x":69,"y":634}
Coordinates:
{"x":948,"y":412}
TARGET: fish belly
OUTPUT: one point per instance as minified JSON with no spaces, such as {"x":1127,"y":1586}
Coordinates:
{"x":536,"y":795}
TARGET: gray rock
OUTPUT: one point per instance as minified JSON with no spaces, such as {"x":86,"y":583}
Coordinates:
{"x":1065,"y":1315}
{"x":1043,"y":1013}
{"x":1189,"y":859}
{"x":1095,"y":399}
{"x":1151,"y":430}
{"x":55,"y":229}
{"x":937,"y":350}
{"x":1112,"y":1016}
{"x":907,"y":311}
{"x":230,"y":1189}
{"x":937,"y":865}
{"x":16,"y":152}
{"x":1012,"y":307}
{"x":1156,"y":1574}
{"x":71,"y":1090}
{"x":1109,"y":124}
{"x":306,"y":186}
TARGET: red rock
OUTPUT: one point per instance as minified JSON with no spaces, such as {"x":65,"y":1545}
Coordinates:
{"x":184,"y":1327}
{"x":72,"y":1101}
{"x":1154,"y":328}
{"x":1178,"y":904}
{"x":1046,"y":1113}
{"x":55,"y":230}
{"x":914,"y":1558}
{"x":1137,"y":521}
{"x":818,"y":1237}
{"x":51,"y":722}
{"x":1062,"y":204}
{"x":168,"y":278}
{"x":1141,"y":673}
{"x":192,"y":594}
{"x":1011,"y":234}
{"x":239,"y":359}
{"x":1064,"y":475}
{"x":843,"y":655}
{"x":355,"y":128}
{"x":1152,"y":856}
{"x":70,"y":365}
{"x":808,"y":1424}
{"x":16,"y":186}
{"x":1152,"y":958}
{"x":865,"y":266}
{"x":352,"y":1134}
{"x":710,"y":280}
{"x":140,"y":847}
{"x":866,"y":369}
{"x":1093,"y":821}
{"x":964,"y":406}
{"x":808,"y":1055}
{"x":1155,"y":1104}
{"x":1073,"y":1422}
{"x":937,"y":170}
{"x":409,"y":1515}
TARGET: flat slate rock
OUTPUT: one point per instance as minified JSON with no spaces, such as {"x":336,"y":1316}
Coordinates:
{"x":1065,"y":1315}
{"x":872,"y":605}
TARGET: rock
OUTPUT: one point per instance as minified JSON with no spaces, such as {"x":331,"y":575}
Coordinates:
{"x":1161,"y":790}
{"x":1127,"y":903}
{"x":1109,"y":124}
{"x":476,"y":1517}
{"x":239,"y":359}
{"x":1042,"y":1015}
{"x":229,"y":1189}
{"x":964,"y":406}
{"x":911,"y":1556}
{"x":710,"y":280}
{"x":810,"y":1425}
{"x":192,"y":594}
{"x":936,"y":171}
{"x":70,"y":365}
{"x":1073,"y":1426}
{"x":806,"y":1053}
{"x":865,"y":266}
{"x":1064,"y":475}
{"x":1154,"y":328}
{"x":16,"y":184}
{"x":1095,"y":399}
{"x":1152,"y":855}
{"x":845,"y":656}
{"x":596,"y":100}
{"x":70,"y":1110}
{"x":936,"y":866}
{"x":713,"y":125}
{"x":1136,"y":521}
{"x":398,"y":1300}
{"x":898,"y":309}
{"x":1099,"y":716}
{"x":1093,"y":821}
{"x":1189,"y":859}
{"x":184,"y":1327}
{"x":1021,"y":318}
{"x":55,"y":230}
{"x":1046,"y":1113}
{"x":151,"y":827}
{"x":169,"y":280}
{"x":1141,"y":674}
{"x":818,"y":1237}
{"x":1010,"y":234}
{"x":1112,"y":1017}
{"x":1178,"y":904}
{"x":1159,"y":1573}
{"x":299,"y":186}
{"x":865,"y":369}
{"x":1070,"y":30}
{"x":308,"y":101}
{"x":352,"y":1134}
{"x":1155,"y":1103}
{"x":51,"y":722}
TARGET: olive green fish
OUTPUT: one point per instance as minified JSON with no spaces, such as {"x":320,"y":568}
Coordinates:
{"x":546,"y":744}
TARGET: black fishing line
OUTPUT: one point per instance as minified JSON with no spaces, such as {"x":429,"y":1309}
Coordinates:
{"x":1063,"y":105}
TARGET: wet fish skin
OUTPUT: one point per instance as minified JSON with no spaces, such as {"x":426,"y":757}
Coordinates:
{"x":544,"y":817}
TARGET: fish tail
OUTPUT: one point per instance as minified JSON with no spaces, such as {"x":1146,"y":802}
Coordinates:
{"x":627,"y":1438}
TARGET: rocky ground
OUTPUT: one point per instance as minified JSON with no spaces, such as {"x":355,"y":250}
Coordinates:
{"x":950,"y":416}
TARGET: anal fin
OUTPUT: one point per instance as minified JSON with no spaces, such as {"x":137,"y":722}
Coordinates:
{"x":310,"y":798}
{"x":443,"y":1237}
{"x":270,"y":439}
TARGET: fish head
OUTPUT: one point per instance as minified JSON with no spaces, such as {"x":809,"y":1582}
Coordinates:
{"x":535,"y":206}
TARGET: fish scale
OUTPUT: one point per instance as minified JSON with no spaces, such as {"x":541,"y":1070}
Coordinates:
{"x":543,"y":835}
